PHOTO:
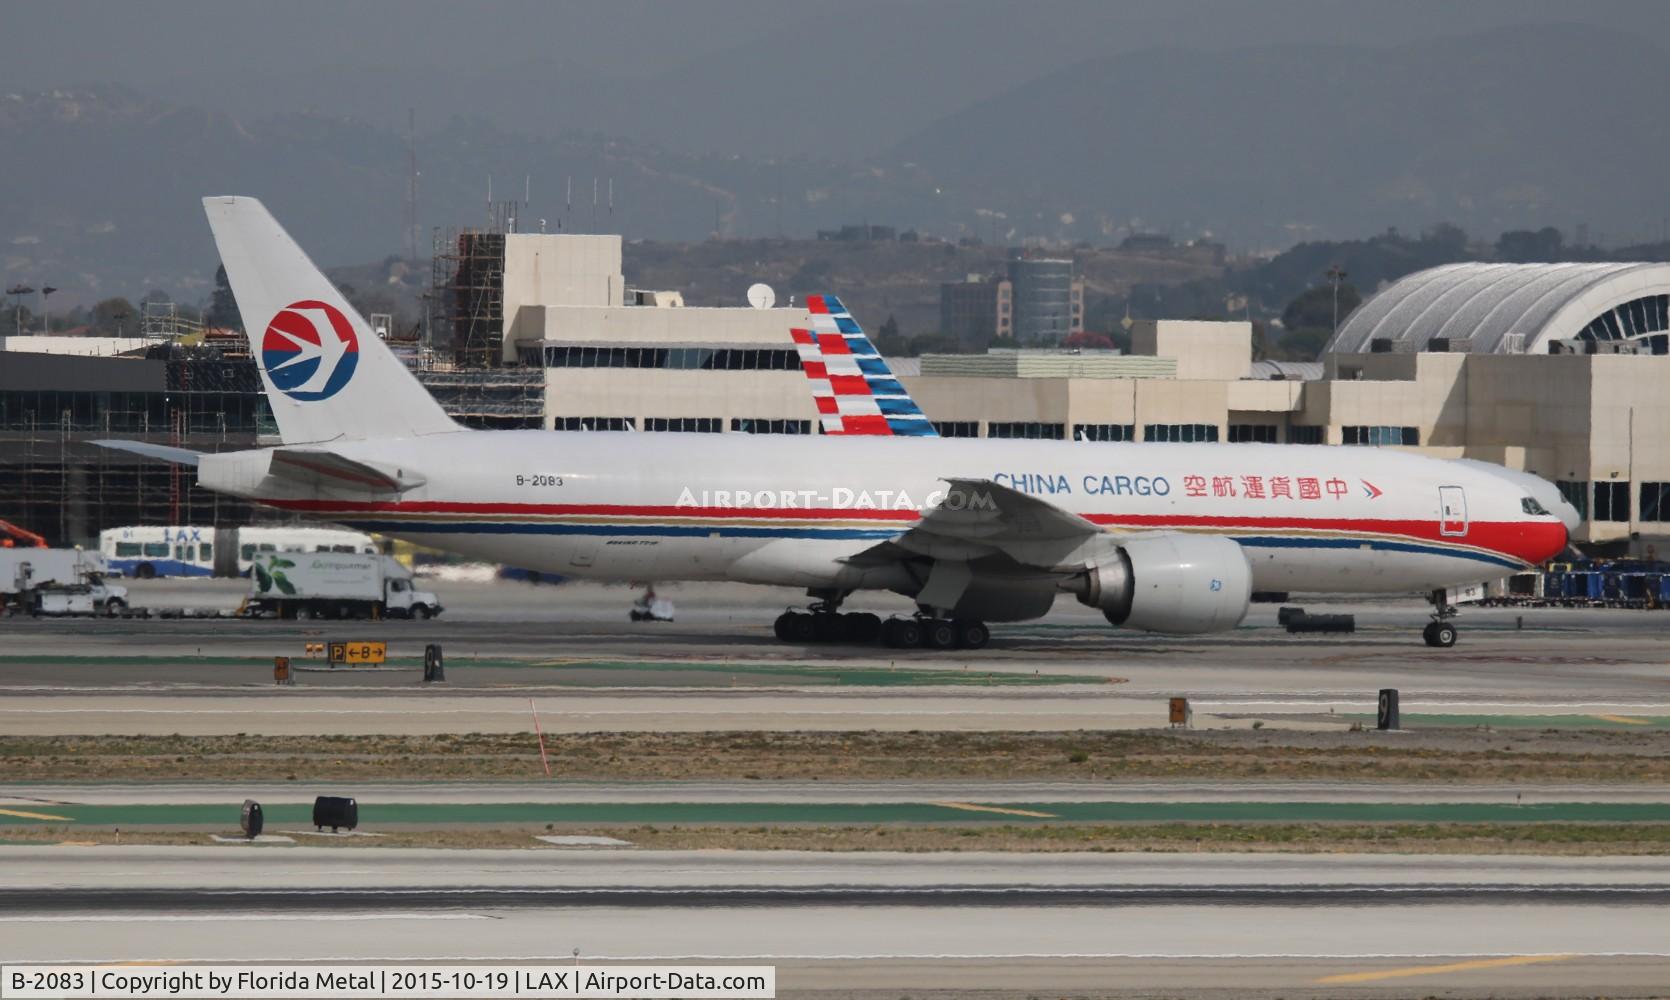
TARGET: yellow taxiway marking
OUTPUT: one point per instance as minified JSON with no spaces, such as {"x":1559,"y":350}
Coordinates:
{"x":1435,"y":970}
{"x":1625,"y":719}
{"x":29,"y":815}
{"x":971,"y":807}
{"x":78,"y":843}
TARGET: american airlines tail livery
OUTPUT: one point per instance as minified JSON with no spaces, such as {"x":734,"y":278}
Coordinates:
{"x":1169,"y":538}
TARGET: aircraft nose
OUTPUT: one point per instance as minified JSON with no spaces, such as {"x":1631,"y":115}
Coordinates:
{"x":1568,"y":516}
{"x":1543,"y":541}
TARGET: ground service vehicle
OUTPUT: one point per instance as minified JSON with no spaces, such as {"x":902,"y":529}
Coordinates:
{"x":335,"y":585}
{"x":147,"y":551}
{"x":95,"y":597}
{"x":57,"y":581}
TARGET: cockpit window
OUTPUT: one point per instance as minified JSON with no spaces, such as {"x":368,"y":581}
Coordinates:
{"x":1530,"y":506}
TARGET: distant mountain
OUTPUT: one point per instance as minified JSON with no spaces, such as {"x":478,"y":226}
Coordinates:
{"x":103,"y":188}
{"x":1517,"y":127}
{"x":1263,"y":146}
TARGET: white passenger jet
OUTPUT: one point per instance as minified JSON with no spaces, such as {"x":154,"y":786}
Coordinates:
{"x":1171,"y":538}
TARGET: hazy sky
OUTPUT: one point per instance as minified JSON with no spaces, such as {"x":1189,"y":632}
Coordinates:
{"x":540,"y":66}
{"x":1260,"y":122}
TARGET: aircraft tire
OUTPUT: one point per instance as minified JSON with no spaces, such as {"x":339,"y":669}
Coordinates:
{"x":801,"y":627}
{"x":781,"y":628}
{"x":939,"y":634}
{"x":901,"y":633}
{"x":1443,"y":635}
{"x":827,"y":627}
{"x":972,"y":634}
{"x":861,"y":627}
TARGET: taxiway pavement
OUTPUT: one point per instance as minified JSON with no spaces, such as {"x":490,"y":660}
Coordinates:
{"x":1208,"y":925}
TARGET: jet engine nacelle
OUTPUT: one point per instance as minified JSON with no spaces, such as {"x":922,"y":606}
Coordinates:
{"x":1181,"y":584}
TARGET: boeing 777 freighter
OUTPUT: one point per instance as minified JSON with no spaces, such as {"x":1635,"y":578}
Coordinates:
{"x":1171,"y":538}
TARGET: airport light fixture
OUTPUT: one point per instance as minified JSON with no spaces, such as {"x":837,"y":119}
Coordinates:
{"x":46,"y":309}
{"x":1336,"y":274}
{"x":17,"y":292}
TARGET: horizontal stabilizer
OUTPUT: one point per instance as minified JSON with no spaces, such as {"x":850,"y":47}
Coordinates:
{"x":179,"y":456}
{"x":316,"y":467}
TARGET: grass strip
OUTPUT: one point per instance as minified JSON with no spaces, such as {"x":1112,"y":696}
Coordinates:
{"x":1631,"y":754}
{"x":383,"y":814}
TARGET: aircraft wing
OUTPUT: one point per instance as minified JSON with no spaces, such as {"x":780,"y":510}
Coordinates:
{"x":852,"y":385}
{"x":319,"y":467}
{"x":179,"y":456}
{"x":980,"y":518}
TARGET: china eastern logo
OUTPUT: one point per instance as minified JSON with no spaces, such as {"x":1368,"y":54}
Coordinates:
{"x":310,"y":350}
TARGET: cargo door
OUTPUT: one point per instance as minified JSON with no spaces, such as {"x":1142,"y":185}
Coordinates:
{"x":1452,"y":511}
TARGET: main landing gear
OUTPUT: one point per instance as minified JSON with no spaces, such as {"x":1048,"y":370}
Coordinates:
{"x":1439,"y":633}
{"x":827,"y":626}
{"x":934,"y":633}
{"x":824,"y":622}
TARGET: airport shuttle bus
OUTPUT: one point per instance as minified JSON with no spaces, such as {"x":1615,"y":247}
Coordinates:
{"x":147,"y":551}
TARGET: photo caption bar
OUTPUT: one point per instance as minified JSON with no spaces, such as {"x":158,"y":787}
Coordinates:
{"x":386,"y":982}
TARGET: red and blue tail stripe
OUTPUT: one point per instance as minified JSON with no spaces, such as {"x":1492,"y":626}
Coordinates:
{"x":854,"y":389}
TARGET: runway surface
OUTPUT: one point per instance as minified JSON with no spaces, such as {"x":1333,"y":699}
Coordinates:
{"x":717,"y":668}
{"x":868,"y":924}
{"x":1275,"y":924}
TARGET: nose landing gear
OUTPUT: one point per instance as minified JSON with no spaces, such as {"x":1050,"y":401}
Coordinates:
{"x":1439,"y":633}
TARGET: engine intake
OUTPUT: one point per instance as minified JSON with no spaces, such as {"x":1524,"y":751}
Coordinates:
{"x":1180,"y":584}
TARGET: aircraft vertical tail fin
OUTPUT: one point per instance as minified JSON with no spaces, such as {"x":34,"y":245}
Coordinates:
{"x":327,"y":376}
{"x":855,"y":391}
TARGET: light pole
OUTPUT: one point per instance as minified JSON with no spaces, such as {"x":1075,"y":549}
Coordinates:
{"x":1336,"y":274}
{"x":17,"y":292}
{"x":46,"y":310}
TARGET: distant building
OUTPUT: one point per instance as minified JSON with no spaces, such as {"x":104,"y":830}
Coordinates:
{"x":1146,"y":242}
{"x":863,"y":233}
{"x":976,"y":310}
{"x":1048,"y":299}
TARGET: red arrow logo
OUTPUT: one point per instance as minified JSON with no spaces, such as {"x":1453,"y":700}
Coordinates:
{"x":1372,"y":490}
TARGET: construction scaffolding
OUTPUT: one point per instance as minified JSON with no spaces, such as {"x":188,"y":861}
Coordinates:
{"x":489,"y":398}
{"x":161,"y":322}
{"x":56,"y":482}
{"x":468,"y":276}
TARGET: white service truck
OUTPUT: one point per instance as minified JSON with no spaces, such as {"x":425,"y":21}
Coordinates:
{"x":95,"y":597}
{"x":57,"y":582}
{"x":335,"y":585}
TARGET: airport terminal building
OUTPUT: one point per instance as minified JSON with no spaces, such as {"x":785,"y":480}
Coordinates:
{"x":1552,"y":368}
